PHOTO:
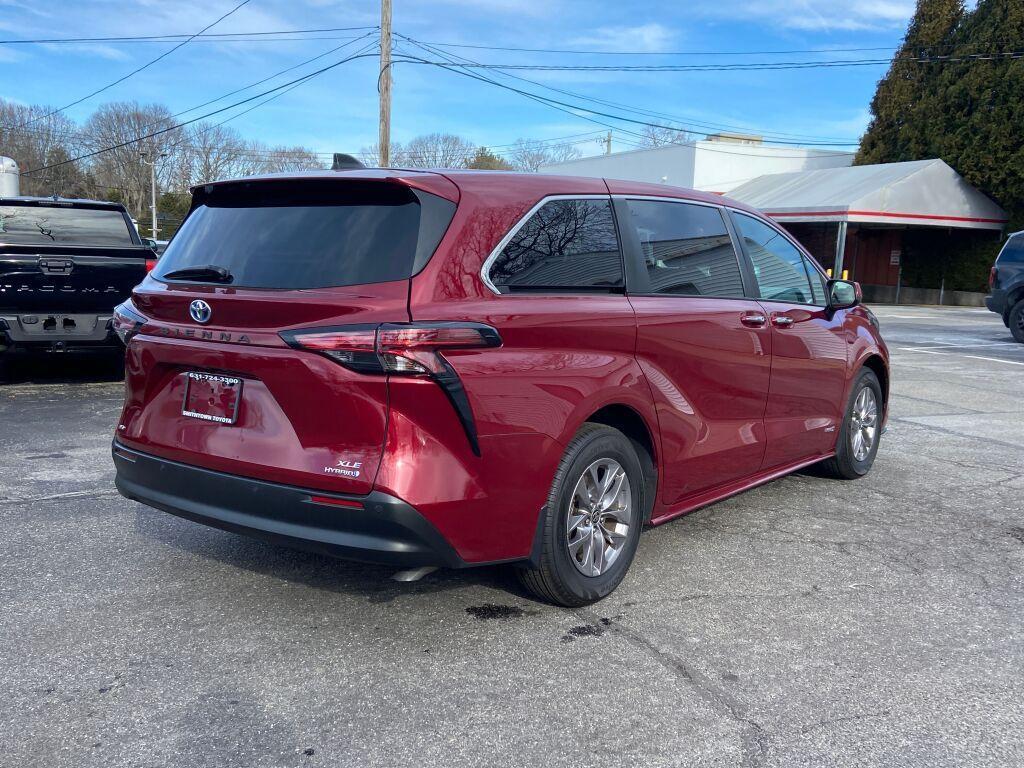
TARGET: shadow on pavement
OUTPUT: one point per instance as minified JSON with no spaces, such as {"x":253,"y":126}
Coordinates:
{"x":329,"y":574}
{"x":62,"y":368}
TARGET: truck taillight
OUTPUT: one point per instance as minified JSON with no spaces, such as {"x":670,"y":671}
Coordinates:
{"x":992,"y":275}
{"x":403,"y":349}
{"x":126,"y":321}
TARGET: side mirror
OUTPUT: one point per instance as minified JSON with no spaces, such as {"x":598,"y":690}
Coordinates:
{"x":843,"y":294}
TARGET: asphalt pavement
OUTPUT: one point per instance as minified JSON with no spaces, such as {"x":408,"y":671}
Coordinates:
{"x":810,"y":622}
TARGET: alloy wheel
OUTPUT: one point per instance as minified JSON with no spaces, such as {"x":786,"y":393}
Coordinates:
{"x":863,"y":424}
{"x":600,"y":513}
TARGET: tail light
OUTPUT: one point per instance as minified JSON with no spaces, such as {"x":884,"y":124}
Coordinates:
{"x":395,"y":349}
{"x":150,"y":265}
{"x":126,"y":321}
{"x":992,"y":276}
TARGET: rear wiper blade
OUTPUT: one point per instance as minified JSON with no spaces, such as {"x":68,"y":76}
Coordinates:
{"x":208,"y":274}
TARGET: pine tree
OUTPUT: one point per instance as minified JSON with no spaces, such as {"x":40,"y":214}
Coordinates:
{"x":979,"y":126}
{"x":901,"y":109}
{"x":968,"y":112}
{"x":485,"y":160}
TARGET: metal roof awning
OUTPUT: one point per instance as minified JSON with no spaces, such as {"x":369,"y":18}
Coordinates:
{"x":920,"y":193}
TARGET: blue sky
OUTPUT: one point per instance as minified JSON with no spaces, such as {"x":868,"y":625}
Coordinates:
{"x":337,"y":111}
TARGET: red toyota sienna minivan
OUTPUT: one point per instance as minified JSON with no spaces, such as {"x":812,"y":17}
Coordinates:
{"x":459,"y":368}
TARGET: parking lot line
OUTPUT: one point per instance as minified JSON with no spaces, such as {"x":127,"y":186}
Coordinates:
{"x":996,"y":360}
{"x":933,"y":351}
{"x":944,"y":345}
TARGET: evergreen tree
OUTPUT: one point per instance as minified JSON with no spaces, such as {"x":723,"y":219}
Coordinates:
{"x":485,"y":160}
{"x":969,"y":113}
{"x":901,"y":109}
{"x":979,"y":122}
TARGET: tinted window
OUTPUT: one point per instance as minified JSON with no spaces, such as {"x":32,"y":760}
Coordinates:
{"x":1013,"y":251}
{"x":782,"y":272}
{"x":565,"y":245}
{"x":302,"y":235}
{"x":686,"y":249}
{"x":38,"y":224}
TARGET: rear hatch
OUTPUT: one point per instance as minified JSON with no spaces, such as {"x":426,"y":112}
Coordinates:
{"x":66,"y":258}
{"x":216,"y":384}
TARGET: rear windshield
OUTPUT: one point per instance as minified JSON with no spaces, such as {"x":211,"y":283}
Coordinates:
{"x":306,"y":234}
{"x":42,"y":224}
{"x":1013,"y":251}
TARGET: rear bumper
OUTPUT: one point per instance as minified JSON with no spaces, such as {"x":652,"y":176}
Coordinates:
{"x":56,"y":331}
{"x":996,"y":302}
{"x":383,"y":530}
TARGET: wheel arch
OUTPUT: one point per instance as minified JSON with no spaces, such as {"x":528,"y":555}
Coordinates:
{"x":1014,"y":295}
{"x":634,"y":426}
{"x":876,"y":365}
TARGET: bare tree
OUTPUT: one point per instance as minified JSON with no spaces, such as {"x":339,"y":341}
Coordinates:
{"x":35,"y":139}
{"x":211,"y":152}
{"x":438,"y":150}
{"x":531,"y":155}
{"x":661,"y":135}
{"x":117,"y":127}
{"x":370,"y":156}
{"x":288,"y":159}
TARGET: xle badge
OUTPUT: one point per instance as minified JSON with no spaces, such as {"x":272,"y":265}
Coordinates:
{"x":346,"y":468}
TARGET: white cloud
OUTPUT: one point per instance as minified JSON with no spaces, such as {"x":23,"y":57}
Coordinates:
{"x":534,"y":8}
{"x":651,"y":38}
{"x":823,"y":15}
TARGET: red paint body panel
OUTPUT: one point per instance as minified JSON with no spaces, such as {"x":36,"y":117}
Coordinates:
{"x":726,"y":405}
{"x":709,"y":377}
{"x":810,"y":367}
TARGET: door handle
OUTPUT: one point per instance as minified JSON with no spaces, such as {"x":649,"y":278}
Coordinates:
{"x":782,"y":321}
{"x":753,"y":319}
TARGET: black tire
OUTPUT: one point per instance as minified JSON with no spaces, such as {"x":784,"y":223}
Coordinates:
{"x":1016,"y":321}
{"x":557,"y":579}
{"x":845,"y":465}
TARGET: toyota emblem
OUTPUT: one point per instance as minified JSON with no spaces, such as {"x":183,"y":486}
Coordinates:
{"x":200,"y":311}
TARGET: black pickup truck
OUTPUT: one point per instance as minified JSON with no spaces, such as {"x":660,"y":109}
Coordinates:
{"x":64,"y":266}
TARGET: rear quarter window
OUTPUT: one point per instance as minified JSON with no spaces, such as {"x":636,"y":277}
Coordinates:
{"x":565,"y":245}
{"x":1013,"y":251}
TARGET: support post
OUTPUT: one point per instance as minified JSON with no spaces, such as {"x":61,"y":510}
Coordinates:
{"x":837,"y":267}
{"x":384,"y":134}
{"x":152,"y":197}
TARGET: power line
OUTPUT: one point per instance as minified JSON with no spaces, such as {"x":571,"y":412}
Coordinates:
{"x":86,"y":138}
{"x":688,"y":123}
{"x":197,"y":36}
{"x":540,"y":99}
{"x":465,"y":73}
{"x":281,"y":154}
{"x":201,"y":117}
{"x":550,"y":101}
{"x":149,"y":63}
{"x":227,"y":40}
{"x":739,"y":67}
{"x":655,"y":53}
{"x":271,"y":77}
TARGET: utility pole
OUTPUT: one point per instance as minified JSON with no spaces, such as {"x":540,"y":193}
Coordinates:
{"x":384,"y":136}
{"x":608,"y":144}
{"x":152,"y":187}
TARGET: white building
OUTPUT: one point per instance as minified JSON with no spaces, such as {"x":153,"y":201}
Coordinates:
{"x":719,"y":163}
